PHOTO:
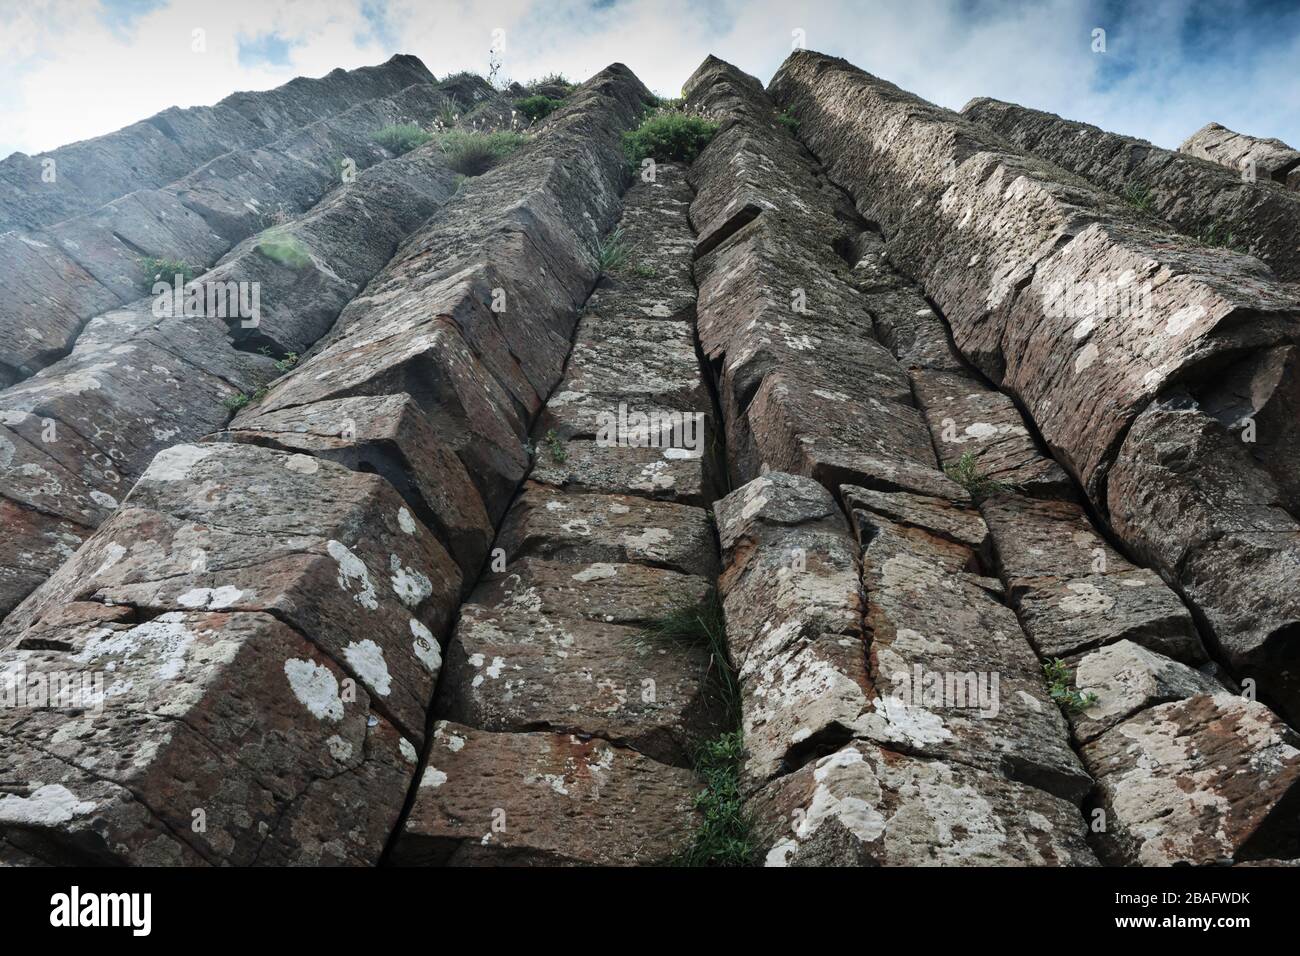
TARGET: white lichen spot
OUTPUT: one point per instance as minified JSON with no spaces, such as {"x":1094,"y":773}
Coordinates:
{"x":367,"y":659}
{"x":210,"y":599}
{"x":410,"y":586}
{"x":174,"y":463}
{"x":596,"y":572}
{"x":340,"y":749}
{"x":433,"y":777}
{"x":426,"y":648}
{"x":316,"y":688}
{"x":47,"y":806}
{"x":352,"y":568}
{"x":302,"y":464}
{"x":405,"y":521}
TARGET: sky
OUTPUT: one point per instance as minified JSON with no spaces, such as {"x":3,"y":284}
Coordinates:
{"x":71,"y":69}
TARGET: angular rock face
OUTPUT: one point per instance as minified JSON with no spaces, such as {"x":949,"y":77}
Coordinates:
{"x":165,"y":147}
{"x":1017,"y":253}
{"x":1196,"y":196}
{"x":286,"y":606}
{"x":1269,"y":159}
{"x":148,"y":375}
{"x":580,"y":676}
{"x":863,"y":806}
{"x":1226,"y":789}
{"x":84,"y":266}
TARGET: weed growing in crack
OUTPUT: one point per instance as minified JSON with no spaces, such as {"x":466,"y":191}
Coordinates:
{"x":965,"y":471}
{"x":1058,"y":685}
{"x":643,"y":271}
{"x":401,"y":138}
{"x":612,"y":251}
{"x":1139,"y":197}
{"x":724,"y":836}
{"x":1218,"y":236}
{"x":235,"y":402}
{"x":154,"y":269}
{"x":559,"y":454}
{"x":789,"y":121}
{"x":474,"y":152}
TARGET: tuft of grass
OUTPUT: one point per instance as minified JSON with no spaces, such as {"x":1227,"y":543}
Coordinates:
{"x":669,"y":137}
{"x":725,"y":834}
{"x":401,"y":138}
{"x":235,"y":402}
{"x":472,"y":153}
{"x":1139,"y":197}
{"x":965,"y":471}
{"x":789,"y":121}
{"x":154,"y":269}
{"x":1218,"y":236}
{"x":612,"y":251}
{"x":559,"y":454}
{"x":643,"y":271}
{"x":536,"y":107}
{"x":1058,"y":685}
{"x":288,"y":250}
{"x":552,"y":80}
{"x":705,"y":626}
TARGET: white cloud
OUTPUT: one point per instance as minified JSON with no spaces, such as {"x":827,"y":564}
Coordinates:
{"x":65,"y":74}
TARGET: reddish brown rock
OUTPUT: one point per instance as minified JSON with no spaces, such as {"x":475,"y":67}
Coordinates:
{"x":1074,"y":592}
{"x":1199,"y":781}
{"x":612,"y":529}
{"x":544,"y":799}
{"x":218,"y":729}
{"x":864,"y":806}
{"x":207,"y":528}
{"x":667,"y":473}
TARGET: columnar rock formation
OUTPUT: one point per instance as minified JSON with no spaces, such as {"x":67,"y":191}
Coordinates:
{"x":1248,"y":155}
{"x":936,"y":471}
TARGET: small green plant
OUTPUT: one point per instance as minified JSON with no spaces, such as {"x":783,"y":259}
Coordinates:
{"x":552,"y":81}
{"x":536,"y":107}
{"x":401,"y":138}
{"x":789,"y":121}
{"x":725,"y":835}
{"x":1139,"y":197}
{"x":965,"y":471}
{"x":669,"y":137}
{"x":286,"y":249}
{"x":612,"y":251}
{"x":1058,"y":685}
{"x":705,"y":626}
{"x":673,"y":103}
{"x":154,"y":269}
{"x":448,"y":115}
{"x":289,"y":361}
{"x":1219,"y":236}
{"x":643,"y":271}
{"x":559,"y":454}
{"x":472,"y":153}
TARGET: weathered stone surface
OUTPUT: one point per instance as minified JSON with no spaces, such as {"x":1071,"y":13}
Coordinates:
{"x":209,"y":527}
{"x":938,"y":641}
{"x":608,"y":529}
{"x":655,"y":280}
{"x":647,"y":365}
{"x":92,"y":262}
{"x":544,"y":799}
{"x":1196,"y":505}
{"x":512,"y":669}
{"x":170,"y":144}
{"x":793,"y":606}
{"x":1198,"y":781}
{"x":667,"y":473}
{"x":1074,"y":592}
{"x":1246,"y":155}
{"x":955,"y":520}
{"x":1193,"y":194}
{"x":966,"y":417}
{"x":233,"y":714}
{"x":1007,"y":245}
{"x":608,"y":593}
{"x":1127,"y":678}
{"x":389,"y":436}
{"x":863,"y":806}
